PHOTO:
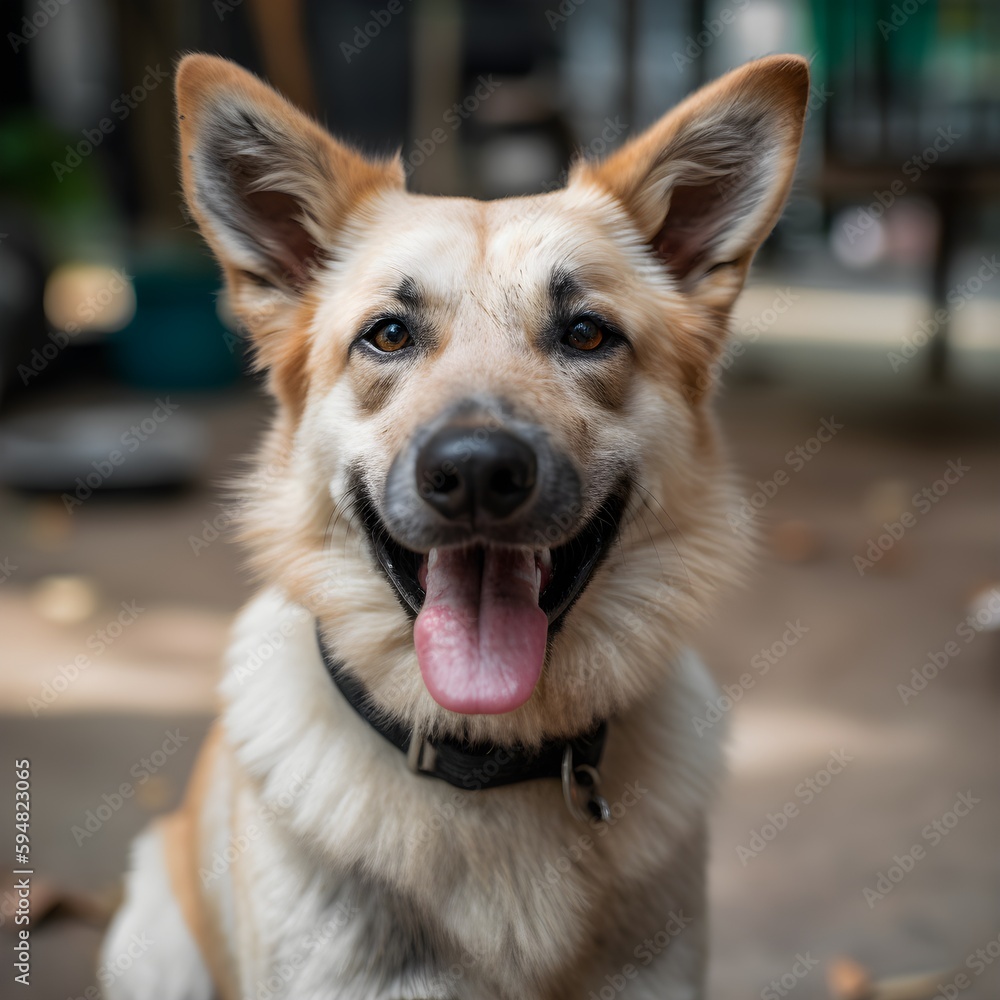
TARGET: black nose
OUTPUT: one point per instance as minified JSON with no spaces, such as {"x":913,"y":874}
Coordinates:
{"x":466,"y":472}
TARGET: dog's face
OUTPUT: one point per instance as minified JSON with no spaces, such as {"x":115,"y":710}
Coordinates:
{"x":495,"y":396}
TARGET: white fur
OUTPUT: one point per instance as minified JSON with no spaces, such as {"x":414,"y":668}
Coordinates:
{"x":149,"y":951}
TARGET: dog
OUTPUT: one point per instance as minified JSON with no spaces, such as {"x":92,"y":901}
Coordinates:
{"x":456,"y":756}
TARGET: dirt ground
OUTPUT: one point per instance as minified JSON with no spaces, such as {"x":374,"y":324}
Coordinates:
{"x":834,"y":779}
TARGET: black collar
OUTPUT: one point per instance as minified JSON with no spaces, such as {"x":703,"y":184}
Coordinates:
{"x":471,"y":766}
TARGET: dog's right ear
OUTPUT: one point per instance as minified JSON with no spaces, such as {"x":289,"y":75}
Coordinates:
{"x":268,"y":187}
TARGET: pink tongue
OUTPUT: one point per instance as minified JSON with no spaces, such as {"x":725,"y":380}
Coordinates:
{"x":480,"y":636}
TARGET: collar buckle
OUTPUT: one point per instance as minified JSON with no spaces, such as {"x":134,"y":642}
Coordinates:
{"x":421,"y":757}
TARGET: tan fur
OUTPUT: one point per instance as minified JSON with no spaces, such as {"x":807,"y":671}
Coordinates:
{"x":182,"y":850}
{"x":314,"y":241}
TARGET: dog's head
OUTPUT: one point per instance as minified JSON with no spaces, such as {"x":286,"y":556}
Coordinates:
{"x":503,"y":402}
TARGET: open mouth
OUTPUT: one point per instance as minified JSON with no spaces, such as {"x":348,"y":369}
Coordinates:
{"x":484,"y":613}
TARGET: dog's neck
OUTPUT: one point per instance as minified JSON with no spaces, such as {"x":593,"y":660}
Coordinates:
{"x":482,"y":766}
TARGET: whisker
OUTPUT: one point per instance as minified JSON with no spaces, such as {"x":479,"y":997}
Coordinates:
{"x":328,"y":532}
{"x":645,"y":507}
{"x":669,"y":534}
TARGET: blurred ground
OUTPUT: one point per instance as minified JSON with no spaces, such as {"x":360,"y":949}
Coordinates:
{"x":834,"y":690}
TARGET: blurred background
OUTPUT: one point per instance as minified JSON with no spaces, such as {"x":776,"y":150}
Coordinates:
{"x":860,"y":398}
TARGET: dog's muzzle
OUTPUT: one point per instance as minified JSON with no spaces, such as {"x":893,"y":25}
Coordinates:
{"x":486,"y":540}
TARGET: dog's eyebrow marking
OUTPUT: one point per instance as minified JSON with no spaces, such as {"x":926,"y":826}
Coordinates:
{"x":565,"y":290}
{"x":406,"y":294}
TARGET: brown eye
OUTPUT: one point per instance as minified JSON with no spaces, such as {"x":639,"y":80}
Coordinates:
{"x":390,"y":336}
{"x":584,"y":335}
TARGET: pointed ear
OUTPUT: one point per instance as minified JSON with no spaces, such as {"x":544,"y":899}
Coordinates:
{"x":706,"y":184}
{"x":269,"y":188}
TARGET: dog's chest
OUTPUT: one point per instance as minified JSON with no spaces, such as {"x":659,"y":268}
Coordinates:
{"x":506,"y":925}
{"x":376,"y":876}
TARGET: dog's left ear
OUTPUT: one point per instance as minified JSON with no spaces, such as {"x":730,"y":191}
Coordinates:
{"x":274,"y":195}
{"x":271,"y":190}
{"x":706,"y":183}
